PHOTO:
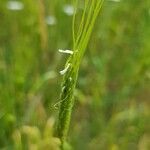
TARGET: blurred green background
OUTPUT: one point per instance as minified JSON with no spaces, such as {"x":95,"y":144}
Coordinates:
{"x":112,"y":98}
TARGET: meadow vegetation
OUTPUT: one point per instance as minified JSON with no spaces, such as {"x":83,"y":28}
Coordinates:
{"x":112,"y":93}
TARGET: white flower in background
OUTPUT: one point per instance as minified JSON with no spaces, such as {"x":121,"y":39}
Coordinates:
{"x":65,"y":70}
{"x":66,"y":51}
{"x":68,"y":9}
{"x":51,"y":20}
{"x":15,"y":5}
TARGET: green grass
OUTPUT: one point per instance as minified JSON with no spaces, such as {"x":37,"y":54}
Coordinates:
{"x":80,"y":41}
{"x":110,"y":109}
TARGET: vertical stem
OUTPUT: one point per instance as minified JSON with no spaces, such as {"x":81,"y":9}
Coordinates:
{"x":80,"y":42}
{"x":43,"y":28}
{"x":67,"y":99}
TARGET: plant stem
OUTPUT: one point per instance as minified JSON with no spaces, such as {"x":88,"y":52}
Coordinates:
{"x":80,"y":42}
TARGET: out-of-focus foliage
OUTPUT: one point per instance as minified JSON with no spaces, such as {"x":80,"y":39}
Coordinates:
{"x":112,"y":97}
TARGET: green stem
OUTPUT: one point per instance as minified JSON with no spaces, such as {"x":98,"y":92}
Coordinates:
{"x":80,"y":43}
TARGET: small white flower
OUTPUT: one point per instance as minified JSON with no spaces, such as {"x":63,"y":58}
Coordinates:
{"x":66,"y":51}
{"x":65,"y":70}
{"x":15,"y":5}
{"x":68,"y":9}
{"x":51,"y":20}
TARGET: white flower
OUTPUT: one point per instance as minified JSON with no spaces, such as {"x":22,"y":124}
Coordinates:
{"x":68,"y":9}
{"x":15,"y":5}
{"x":65,"y":70}
{"x":66,"y":51}
{"x":51,"y":20}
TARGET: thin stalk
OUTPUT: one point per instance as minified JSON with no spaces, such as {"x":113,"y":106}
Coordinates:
{"x":80,"y":30}
{"x":80,"y":42}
